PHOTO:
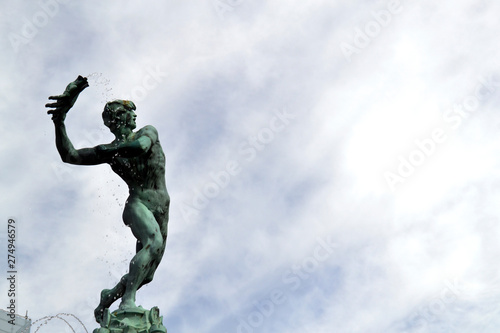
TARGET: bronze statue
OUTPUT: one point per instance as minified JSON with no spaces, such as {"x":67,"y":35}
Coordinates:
{"x":138,"y":158}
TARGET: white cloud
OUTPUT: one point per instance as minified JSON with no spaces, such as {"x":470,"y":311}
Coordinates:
{"x":212,"y":82}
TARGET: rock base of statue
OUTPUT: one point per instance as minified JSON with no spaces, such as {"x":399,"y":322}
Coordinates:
{"x":137,"y":320}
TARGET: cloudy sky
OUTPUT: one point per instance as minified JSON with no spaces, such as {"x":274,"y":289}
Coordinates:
{"x":333,"y":165}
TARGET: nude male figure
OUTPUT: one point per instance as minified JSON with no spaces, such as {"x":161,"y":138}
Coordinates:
{"x":137,"y":157}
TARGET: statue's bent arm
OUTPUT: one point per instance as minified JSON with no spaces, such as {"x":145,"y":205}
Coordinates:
{"x":126,"y":149}
{"x":147,"y":136}
{"x":135,"y":148}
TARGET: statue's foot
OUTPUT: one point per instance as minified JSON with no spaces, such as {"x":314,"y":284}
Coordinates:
{"x":127,"y":304}
{"x":99,"y":313}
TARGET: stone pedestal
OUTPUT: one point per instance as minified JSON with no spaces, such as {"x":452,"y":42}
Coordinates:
{"x":137,"y":320}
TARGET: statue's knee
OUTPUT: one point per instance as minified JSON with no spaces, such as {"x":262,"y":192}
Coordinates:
{"x":156,"y":250}
{"x":156,"y":245}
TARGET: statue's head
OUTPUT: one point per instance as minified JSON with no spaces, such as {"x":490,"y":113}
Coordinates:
{"x":119,"y":113}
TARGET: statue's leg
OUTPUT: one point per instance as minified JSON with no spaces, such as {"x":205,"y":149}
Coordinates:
{"x":150,"y":273}
{"x":154,"y":265}
{"x":145,"y":228}
{"x":109,"y":296}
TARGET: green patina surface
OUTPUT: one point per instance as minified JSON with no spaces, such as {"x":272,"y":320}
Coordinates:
{"x":138,"y":158}
{"x":136,"y":320}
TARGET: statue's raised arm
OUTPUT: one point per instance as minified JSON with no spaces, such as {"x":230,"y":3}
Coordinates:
{"x":64,"y":102}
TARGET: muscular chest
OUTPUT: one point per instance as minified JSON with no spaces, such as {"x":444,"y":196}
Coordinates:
{"x":128,"y":168}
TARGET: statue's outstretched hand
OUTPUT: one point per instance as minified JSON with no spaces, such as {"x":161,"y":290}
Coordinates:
{"x":68,"y":98}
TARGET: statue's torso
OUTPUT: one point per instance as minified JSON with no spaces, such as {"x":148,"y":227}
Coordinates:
{"x":145,"y":176}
